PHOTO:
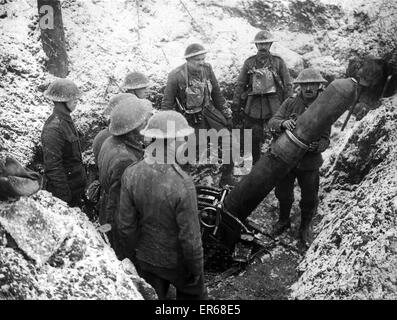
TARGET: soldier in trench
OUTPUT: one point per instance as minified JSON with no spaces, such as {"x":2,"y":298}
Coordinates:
{"x":307,"y":170}
{"x":105,"y":133}
{"x":136,"y":83}
{"x":194,"y":86}
{"x":64,"y":172}
{"x":95,"y":191}
{"x":263,"y":84}
{"x":123,"y":148}
{"x":158,"y":217}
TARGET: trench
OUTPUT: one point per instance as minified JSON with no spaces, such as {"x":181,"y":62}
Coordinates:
{"x":268,"y":276}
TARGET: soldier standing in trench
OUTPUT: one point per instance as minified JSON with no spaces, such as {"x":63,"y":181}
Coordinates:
{"x":194,"y":86}
{"x":158,"y":216}
{"x":263,"y":84}
{"x":307,"y":170}
{"x":104,"y":134}
{"x":93,"y":191}
{"x":135,"y":84}
{"x":64,"y":173}
{"x":124,"y":147}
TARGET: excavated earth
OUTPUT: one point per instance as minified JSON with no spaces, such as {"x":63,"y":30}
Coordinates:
{"x":354,"y":251}
{"x":51,"y":251}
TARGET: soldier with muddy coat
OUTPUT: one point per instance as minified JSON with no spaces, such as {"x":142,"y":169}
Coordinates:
{"x":135,"y":84}
{"x":193,"y":90}
{"x":124,"y":147}
{"x":307,"y":170}
{"x":263,"y":84}
{"x":104,"y":134}
{"x":158,"y":216}
{"x":65,"y":175}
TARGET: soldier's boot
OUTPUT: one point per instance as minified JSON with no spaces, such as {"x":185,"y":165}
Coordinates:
{"x":227,"y":177}
{"x":284,"y":222}
{"x":305,"y":236}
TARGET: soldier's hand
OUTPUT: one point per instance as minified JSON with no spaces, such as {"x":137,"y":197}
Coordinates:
{"x":313,"y":146}
{"x":288,"y":125}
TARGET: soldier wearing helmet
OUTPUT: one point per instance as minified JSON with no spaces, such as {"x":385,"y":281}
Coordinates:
{"x":104,"y":134}
{"x":158,"y":216}
{"x":307,"y":170}
{"x":65,"y":175}
{"x":263,"y":84}
{"x":117,"y":153}
{"x":136,"y":83}
{"x":194,"y":87}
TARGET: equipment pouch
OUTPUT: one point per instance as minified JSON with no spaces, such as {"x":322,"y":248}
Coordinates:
{"x":195,"y":95}
{"x":263,"y":81}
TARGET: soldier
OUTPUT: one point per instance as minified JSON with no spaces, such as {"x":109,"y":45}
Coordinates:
{"x":158,"y":217}
{"x":194,"y":87}
{"x":117,"y":153}
{"x":137,"y":84}
{"x":263,"y":84}
{"x":307,"y":170}
{"x":104,"y":134}
{"x":65,"y":175}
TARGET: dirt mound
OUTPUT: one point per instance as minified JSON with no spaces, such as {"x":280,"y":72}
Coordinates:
{"x":369,"y":28}
{"x":355,"y":254}
{"x":23,"y":109}
{"x":50,"y":251}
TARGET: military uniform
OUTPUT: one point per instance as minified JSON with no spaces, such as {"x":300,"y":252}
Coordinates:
{"x":194,"y":89}
{"x":200,"y":90}
{"x":116,"y":154}
{"x":65,"y":175}
{"x":158,"y":221}
{"x":306,"y":171}
{"x":98,"y":142}
{"x":263,"y":84}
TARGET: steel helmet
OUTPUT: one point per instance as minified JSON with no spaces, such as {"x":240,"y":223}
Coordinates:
{"x":128,"y":115}
{"x":263,"y":37}
{"x":310,"y":75}
{"x":62,"y":90}
{"x":136,"y":80}
{"x":193,"y":50}
{"x":167,"y":125}
{"x":115,"y":100}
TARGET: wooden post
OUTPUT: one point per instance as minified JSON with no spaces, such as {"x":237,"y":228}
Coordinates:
{"x":53,"y":37}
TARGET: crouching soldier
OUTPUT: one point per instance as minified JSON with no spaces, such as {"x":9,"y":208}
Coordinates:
{"x":263,"y":84}
{"x":193,"y":89}
{"x":65,"y":175}
{"x":158,"y":217}
{"x":307,"y":170}
{"x":124,"y":147}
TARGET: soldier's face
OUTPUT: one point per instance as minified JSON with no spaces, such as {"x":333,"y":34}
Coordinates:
{"x":142,"y":93}
{"x":310,"y":90}
{"x":264,"y":47}
{"x":71,"y":105}
{"x":197,"y":62}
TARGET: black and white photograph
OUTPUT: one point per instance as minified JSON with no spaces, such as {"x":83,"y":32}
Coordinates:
{"x":198,"y":154}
